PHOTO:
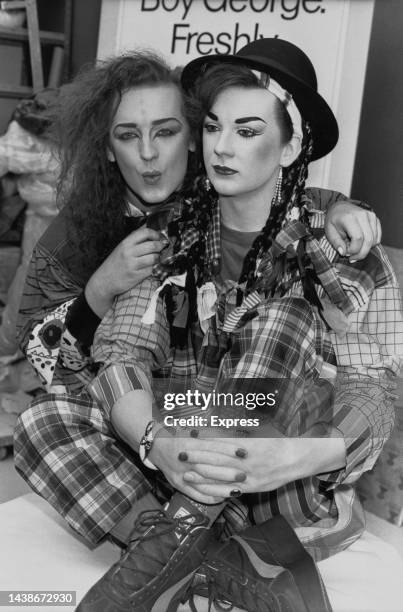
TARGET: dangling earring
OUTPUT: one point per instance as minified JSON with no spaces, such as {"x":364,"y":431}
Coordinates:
{"x":207,"y":183}
{"x":278,"y":188}
{"x":110,"y":156}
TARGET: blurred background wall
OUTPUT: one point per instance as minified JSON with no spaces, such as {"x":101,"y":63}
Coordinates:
{"x":378,"y":170}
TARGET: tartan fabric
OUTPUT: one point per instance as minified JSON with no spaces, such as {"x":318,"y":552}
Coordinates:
{"x":81,"y":469}
{"x":54,"y":281}
{"x":67,"y":452}
{"x":65,"y":449}
{"x":367,"y":293}
{"x":262,"y":333}
{"x":366,"y":420}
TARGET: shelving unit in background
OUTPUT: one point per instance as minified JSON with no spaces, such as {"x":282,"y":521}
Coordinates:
{"x":60,"y":41}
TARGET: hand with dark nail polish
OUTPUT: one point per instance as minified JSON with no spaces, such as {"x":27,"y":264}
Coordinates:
{"x":241,"y":453}
{"x":183,"y":456}
{"x":240,"y":477}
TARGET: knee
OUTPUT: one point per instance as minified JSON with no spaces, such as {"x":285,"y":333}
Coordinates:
{"x":21,"y":432}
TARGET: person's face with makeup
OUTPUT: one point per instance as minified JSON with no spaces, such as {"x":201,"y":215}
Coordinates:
{"x":149,"y":140}
{"x":243,"y":143}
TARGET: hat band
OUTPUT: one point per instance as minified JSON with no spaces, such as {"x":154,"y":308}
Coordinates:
{"x":285,"y":98}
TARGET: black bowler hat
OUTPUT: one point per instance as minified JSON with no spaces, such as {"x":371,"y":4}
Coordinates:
{"x":293,"y":70}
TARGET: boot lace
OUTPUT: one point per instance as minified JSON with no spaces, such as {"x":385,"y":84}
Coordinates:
{"x":225,"y":597}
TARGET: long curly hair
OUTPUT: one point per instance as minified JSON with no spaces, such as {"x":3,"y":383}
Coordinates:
{"x":91,"y":187}
{"x":217,"y":79}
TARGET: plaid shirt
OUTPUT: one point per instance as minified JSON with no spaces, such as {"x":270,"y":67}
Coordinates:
{"x":361,"y":303}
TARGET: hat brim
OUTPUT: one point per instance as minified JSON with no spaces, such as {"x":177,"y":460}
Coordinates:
{"x":312,"y":106}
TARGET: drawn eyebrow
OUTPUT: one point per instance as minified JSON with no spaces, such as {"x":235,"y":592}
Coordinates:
{"x":214,"y":117}
{"x":247,"y":119}
{"x":157,"y":122}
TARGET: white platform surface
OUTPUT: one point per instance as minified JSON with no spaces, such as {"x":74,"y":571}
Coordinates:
{"x":40,"y":552}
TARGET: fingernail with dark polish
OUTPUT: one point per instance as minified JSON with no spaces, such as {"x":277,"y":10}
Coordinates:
{"x":236,"y":493}
{"x":194,"y":433}
{"x":241,"y":452}
{"x":183,"y":456}
{"x":241,"y":477}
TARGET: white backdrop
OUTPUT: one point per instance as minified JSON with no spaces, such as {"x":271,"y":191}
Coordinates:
{"x":334,"y":33}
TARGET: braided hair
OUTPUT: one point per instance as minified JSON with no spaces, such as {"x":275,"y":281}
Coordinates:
{"x":199,"y":214}
{"x":291,"y":193}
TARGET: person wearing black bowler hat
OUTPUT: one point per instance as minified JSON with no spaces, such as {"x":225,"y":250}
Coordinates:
{"x":253,"y":292}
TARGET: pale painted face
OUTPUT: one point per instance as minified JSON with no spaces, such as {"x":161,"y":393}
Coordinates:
{"x":242,"y":144}
{"x":149,"y":140}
